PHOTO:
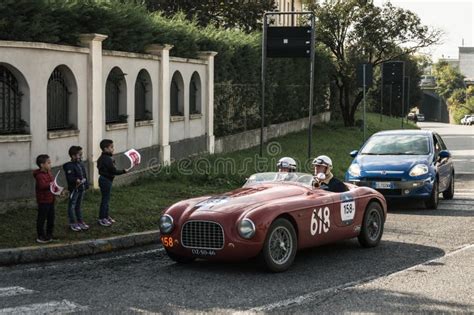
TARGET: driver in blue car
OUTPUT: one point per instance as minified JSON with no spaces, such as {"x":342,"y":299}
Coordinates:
{"x":286,"y":166}
{"x":323,"y":177}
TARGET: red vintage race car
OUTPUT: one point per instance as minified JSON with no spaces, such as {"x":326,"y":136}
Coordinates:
{"x":273,"y":215}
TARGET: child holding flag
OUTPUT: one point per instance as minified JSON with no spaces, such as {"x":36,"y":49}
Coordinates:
{"x":77,"y":184}
{"x":107,"y":172}
{"x":45,"y":199}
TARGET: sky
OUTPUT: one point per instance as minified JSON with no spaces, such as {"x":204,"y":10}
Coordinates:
{"x":454,"y":17}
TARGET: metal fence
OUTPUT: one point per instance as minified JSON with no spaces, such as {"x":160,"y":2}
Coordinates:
{"x":58,"y":102}
{"x":10,"y":103}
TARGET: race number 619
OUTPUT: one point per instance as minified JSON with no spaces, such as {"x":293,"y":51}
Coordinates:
{"x":320,"y":222}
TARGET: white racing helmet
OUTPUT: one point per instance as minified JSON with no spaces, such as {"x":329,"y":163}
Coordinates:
{"x":325,"y":161}
{"x":287,"y":162}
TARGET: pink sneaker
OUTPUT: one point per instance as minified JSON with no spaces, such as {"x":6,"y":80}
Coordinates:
{"x":75,"y":227}
{"x":83,"y":226}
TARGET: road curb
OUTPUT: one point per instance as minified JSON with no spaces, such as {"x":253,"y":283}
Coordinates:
{"x":21,"y":255}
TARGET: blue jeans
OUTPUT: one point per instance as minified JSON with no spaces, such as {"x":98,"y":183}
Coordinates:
{"x":74,"y":210}
{"x":105,"y":189}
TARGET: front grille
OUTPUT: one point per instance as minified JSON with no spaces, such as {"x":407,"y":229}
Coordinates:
{"x":390,"y":192}
{"x":202,"y":234}
{"x":382,"y":179}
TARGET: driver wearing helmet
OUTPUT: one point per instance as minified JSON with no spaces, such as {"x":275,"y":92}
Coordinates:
{"x":323,"y":178}
{"x":287,"y":166}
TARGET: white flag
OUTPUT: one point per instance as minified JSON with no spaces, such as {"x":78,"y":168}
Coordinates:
{"x":54,"y":187}
{"x":134,"y":157}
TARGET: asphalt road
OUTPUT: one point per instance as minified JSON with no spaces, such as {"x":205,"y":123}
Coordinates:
{"x":424,"y":264}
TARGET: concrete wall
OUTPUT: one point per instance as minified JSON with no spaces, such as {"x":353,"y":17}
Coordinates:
{"x":86,"y":69}
{"x":251,"y":138}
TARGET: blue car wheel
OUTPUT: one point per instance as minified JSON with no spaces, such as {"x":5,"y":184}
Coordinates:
{"x":432,"y":202}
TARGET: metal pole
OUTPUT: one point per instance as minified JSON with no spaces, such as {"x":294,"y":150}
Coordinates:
{"x":408,"y":95}
{"x":390,"y":103}
{"x":311,"y":89}
{"x":365,"y":84}
{"x":403,"y":93}
{"x":262,"y":107}
{"x":381,"y":96}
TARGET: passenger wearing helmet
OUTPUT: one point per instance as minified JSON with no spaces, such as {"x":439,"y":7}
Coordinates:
{"x":324,"y":178}
{"x":286,"y":166}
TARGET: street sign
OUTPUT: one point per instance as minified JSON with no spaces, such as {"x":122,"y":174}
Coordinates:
{"x":288,"y":42}
{"x":392,"y":72}
{"x":368,"y":74}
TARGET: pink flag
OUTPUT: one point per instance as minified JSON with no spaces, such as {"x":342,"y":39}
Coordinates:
{"x":134,"y":157}
{"x":54,"y":187}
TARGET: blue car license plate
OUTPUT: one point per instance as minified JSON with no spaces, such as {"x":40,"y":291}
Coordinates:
{"x":383,"y":185}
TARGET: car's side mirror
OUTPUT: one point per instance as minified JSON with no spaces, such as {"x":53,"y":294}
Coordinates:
{"x":354,"y":153}
{"x":444,"y":154}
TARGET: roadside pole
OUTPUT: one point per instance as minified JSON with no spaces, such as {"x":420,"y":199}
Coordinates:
{"x":311,"y":90}
{"x":262,"y":107}
{"x":365,"y":86}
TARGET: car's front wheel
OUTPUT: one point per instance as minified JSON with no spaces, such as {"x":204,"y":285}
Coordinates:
{"x":432,"y":202}
{"x":449,"y":193}
{"x":372,"y":226}
{"x":180,"y":259}
{"x":279,"y":249}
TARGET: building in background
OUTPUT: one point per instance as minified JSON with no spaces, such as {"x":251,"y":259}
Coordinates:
{"x":466,"y":64}
{"x":288,"y":6}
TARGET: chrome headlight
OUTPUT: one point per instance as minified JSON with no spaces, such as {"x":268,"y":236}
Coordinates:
{"x":418,"y":170}
{"x":166,"y":224}
{"x":246,"y":228}
{"x":354,"y":170}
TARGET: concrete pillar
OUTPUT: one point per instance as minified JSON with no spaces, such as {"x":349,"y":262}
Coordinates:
{"x":163,"y":51}
{"x":95,"y":116}
{"x":209,"y":97}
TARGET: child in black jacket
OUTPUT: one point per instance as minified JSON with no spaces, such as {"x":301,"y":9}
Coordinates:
{"x":77,"y":184}
{"x":107,"y":172}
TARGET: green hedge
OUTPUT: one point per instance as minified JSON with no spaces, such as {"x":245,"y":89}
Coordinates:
{"x":131,"y":27}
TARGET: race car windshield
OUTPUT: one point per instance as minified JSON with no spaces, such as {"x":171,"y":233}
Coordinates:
{"x":397,"y":145}
{"x":268,"y":177}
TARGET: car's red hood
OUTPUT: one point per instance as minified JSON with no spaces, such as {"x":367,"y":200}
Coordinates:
{"x":243,"y":199}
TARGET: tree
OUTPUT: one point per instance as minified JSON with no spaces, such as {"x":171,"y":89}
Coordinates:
{"x":356,"y":31}
{"x":245,"y":15}
{"x":448,"y":79}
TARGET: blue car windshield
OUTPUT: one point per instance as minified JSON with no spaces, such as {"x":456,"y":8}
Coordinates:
{"x":397,"y":145}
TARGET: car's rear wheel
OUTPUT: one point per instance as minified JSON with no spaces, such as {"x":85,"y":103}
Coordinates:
{"x":279,"y":249}
{"x":180,"y":259}
{"x":372,"y":226}
{"x":432,"y":202}
{"x":449,"y":193}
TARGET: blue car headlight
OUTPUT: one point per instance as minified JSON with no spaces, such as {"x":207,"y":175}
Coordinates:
{"x":166,"y":224}
{"x":354,"y":170}
{"x":418,"y":170}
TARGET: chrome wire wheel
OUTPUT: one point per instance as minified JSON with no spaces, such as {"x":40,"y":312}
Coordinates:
{"x":374,"y":224}
{"x":281,"y":245}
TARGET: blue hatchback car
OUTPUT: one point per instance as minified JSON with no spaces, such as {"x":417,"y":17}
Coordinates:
{"x":405,"y":164}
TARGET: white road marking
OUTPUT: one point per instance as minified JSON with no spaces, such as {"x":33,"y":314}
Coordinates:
{"x":12,"y":291}
{"x":142,"y":311}
{"x":53,"y":307}
{"x":88,"y":262}
{"x":313,"y":295}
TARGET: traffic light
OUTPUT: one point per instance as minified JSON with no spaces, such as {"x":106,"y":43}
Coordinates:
{"x":393,"y":72}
